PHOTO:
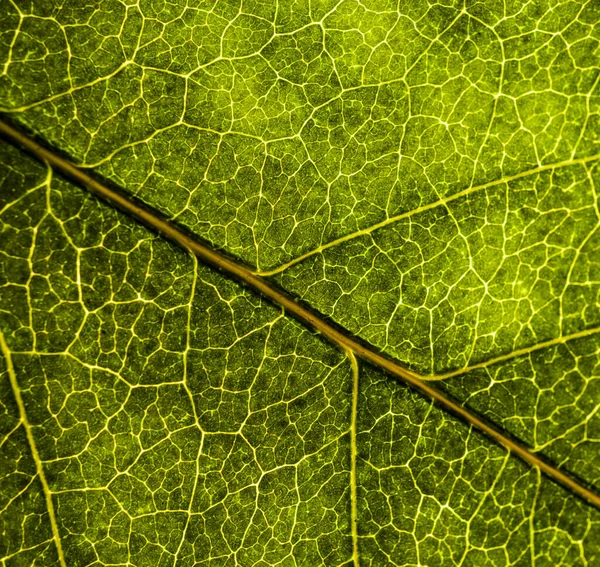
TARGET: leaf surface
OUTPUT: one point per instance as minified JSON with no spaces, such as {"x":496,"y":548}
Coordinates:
{"x":424,"y":175}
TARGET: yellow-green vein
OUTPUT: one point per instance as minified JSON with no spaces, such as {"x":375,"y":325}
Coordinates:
{"x":423,"y":208}
{"x":353,"y":481}
{"x":515,"y":353}
{"x":34,"y":452}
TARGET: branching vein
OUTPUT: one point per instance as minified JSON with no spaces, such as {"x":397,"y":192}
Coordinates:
{"x":245,"y":275}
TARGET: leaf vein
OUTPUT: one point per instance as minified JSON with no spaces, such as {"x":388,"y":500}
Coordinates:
{"x":34,"y":452}
{"x":423,"y":208}
{"x":247,"y":277}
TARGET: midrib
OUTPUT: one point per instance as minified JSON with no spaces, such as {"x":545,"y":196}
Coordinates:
{"x":250,"y":279}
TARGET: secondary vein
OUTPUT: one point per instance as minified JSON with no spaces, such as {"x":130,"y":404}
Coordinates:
{"x":353,"y":479}
{"x":34,"y":452}
{"x":515,"y":353}
{"x":423,"y":208}
{"x":245,"y":275}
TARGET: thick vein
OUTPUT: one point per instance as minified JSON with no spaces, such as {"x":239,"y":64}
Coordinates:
{"x":353,"y":480}
{"x":538,"y":485}
{"x":34,"y":452}
{"x":515,"y":354}
{"x":246,"y":276}
{"x":423,"y":208}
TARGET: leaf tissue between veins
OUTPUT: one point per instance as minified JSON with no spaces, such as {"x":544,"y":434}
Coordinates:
{"x":419,"y":176}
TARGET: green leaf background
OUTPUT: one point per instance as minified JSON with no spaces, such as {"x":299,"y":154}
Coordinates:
{"x":424,"y":174}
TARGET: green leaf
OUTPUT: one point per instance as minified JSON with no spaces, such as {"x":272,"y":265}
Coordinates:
{"x":422,"y":175}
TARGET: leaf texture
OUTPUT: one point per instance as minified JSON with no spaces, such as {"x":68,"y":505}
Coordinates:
{"x":422,"y":174}
{"x":183,"y":420}
{"x":180,"y":418}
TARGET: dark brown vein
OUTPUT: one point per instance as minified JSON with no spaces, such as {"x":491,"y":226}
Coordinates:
{"x":245,"y":275}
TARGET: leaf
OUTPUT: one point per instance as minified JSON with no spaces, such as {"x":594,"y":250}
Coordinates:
{"x":422,"y":175}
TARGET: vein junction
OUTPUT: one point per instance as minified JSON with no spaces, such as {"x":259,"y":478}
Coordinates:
{"x":351,"y":130}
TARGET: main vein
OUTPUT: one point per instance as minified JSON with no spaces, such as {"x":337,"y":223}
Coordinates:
{"x":257,"y":283}
{"x":423,"y":208}
{"x":34,"y":452}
